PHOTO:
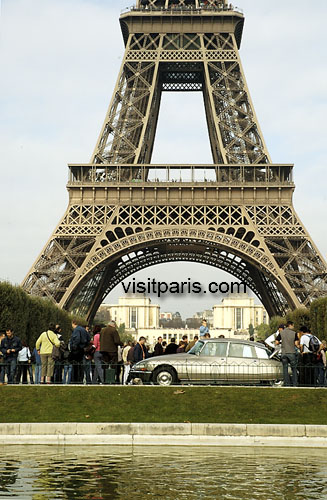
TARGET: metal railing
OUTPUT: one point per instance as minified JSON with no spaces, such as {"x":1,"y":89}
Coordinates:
{"x":251,"y":372}
{"x":193,"y":6}
{"x":252,"y":174}
{"x":254,"y":372}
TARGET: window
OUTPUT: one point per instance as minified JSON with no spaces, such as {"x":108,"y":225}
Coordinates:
{"x":262,"y":353}
{"x":241,"y":351}
{"x":133,"y":317}
{"x":238,"y":318}
{"x":218,"y":349}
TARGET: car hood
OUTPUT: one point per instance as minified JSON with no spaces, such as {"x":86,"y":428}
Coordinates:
{"x":183,"y":356}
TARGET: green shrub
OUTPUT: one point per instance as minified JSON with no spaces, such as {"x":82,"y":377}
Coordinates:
{"x":29,"y":316}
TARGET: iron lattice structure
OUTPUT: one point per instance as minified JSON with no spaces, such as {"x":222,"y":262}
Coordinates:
{"x":126,"y":214}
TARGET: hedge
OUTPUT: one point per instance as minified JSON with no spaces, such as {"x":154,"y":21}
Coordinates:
{"x":318,"y":315}
{"x":28,"y":315}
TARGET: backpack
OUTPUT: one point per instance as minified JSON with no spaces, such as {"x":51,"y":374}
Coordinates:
{"x":314,"y":344}
{"x":130,"y":355}
{"x":89,"y":350}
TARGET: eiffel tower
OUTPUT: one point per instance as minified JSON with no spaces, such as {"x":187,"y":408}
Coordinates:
{"x":125,"y":213}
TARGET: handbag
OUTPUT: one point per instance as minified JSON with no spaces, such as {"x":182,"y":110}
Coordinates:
{"x":55,"y":350}
{"x":89,"y":350}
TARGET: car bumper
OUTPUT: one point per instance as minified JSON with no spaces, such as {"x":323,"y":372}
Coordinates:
{"x":145,"y":376}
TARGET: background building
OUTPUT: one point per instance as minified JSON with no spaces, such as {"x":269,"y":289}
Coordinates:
{"x":135,"y":311}
{"x":237,"y":311}
{"x":166,"y":315}
{"x":231,"y":318}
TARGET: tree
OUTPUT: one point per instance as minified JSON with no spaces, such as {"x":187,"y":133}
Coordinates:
{"x":318,"y":318}
{"x":251,"y":330}
{"x":262,"y":331}
{"x":275,"y":322}
{"x":125,"y":337}
{"x":300,"y":317}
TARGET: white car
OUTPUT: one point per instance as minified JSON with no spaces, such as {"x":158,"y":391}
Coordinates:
{"x":213,"y":361}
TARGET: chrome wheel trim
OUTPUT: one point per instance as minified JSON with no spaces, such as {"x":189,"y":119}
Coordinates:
{"x":164,"y":378}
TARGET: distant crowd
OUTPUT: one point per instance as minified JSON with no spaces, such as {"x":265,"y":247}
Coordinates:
{"x":98,"y":356}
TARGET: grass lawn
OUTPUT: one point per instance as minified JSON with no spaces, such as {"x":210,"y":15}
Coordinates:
{"x":163,"y":404}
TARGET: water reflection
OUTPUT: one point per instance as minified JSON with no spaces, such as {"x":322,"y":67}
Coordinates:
{"x":49,"y":472}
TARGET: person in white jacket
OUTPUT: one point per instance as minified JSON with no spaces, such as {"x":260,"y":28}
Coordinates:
{"x":24,"y":365}
{"x":271,"y":340}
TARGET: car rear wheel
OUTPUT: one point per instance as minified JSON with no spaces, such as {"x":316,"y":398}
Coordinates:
{"x":164,"y":375}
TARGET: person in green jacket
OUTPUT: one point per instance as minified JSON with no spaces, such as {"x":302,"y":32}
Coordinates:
{"x":44,"y":345}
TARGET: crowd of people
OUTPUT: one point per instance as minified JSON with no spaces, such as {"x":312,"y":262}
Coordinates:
{"x":91,"y":357}
{"x":302,"y":353}
{"x":99,"y":356}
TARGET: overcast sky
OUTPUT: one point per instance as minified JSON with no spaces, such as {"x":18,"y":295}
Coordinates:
{"x":59,"y":63}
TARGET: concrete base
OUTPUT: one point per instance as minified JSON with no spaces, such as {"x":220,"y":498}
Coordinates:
{"x":134,"y":434}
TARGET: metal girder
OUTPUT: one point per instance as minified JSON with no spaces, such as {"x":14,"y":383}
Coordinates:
{"x":126,"y":214}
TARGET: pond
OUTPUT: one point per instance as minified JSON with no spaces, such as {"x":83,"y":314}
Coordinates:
{"x":138,"y":473}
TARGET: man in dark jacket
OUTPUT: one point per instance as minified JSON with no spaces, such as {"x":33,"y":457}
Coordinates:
{"x":109,"y":342}
{"x":140,"y":350}
{"x":10,"y":347}
{"x":158,"y":349}
{"x":172,"y":347}
{"x":79,"y":339}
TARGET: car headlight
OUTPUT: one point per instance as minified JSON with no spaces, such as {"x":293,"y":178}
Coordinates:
{"x":140,"y":366}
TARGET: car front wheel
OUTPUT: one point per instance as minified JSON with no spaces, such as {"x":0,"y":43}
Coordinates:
{"x":164,"y":376}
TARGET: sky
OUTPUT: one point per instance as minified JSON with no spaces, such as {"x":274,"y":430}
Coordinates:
{"x":59,"y":61}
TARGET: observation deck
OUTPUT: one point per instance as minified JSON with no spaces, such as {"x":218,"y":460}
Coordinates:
{"x":161,"y":16}
{"x":194,"y":184}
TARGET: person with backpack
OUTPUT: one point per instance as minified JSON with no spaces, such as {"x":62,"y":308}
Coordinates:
{"x":44,"y":345}
{"x":79,"y":339}
{"x":310,"y":346}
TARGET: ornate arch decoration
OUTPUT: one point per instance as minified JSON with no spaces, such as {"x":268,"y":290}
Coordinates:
{"x":114,"y":261}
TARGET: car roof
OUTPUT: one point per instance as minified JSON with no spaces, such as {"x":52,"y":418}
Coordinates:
{"x":239,"y":341}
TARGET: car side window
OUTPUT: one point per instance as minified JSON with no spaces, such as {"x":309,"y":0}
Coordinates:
{"x":214,"y":349}
{"x":241,"y":351}
{"x":262,"y":353}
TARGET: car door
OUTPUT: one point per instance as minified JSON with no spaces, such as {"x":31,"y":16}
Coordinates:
{"x":209,"y":364}
{"x":269,"y":369}
{"x":242,"y":363}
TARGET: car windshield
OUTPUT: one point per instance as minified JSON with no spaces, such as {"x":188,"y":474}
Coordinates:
{"x":196,"y":348}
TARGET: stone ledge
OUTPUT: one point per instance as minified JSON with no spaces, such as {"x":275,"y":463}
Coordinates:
{"x":282,"y":430}
{"x":188,"y":434}
{"x":161,"y":440}
{"x":219,"y":429}
{"x":316,"y":430}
